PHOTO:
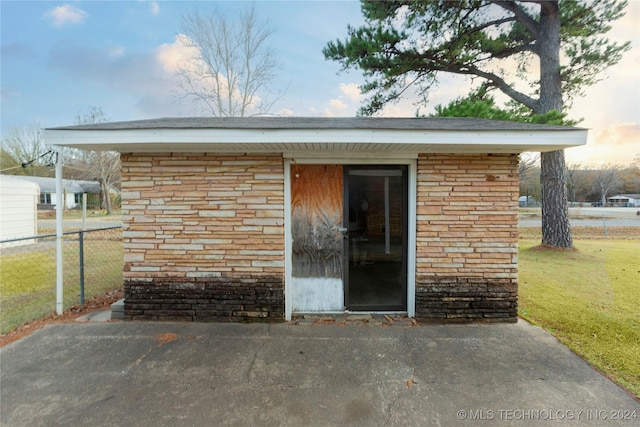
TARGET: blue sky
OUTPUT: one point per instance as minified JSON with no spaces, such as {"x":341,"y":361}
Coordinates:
{"x":59,"y":58}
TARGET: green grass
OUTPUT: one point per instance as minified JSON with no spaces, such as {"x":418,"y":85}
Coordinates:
{"x":590,"y":300}
{"x":28,"y":278}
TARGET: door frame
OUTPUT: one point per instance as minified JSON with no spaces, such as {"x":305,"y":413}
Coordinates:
{"x":352,"y":159}
{"x":346,"y":272}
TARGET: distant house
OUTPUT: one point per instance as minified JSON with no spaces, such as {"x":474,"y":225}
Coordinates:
{"x":527,"y":201}
{"x":262,"y":218}
{"x":624,"y":200}
{"x":18,"y":213}
{"x":73,"y":190}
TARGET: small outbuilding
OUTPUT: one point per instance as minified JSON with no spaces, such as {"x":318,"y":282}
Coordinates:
{"x":18,"y":210}
{"x":266,"y":218}
{"x":624,"y":200}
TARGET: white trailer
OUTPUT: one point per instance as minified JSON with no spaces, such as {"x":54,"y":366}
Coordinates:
{"x":18,"y":210}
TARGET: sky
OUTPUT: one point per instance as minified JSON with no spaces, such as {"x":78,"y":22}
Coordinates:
{"x":59,"y":58}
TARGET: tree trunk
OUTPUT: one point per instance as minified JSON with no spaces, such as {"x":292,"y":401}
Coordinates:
{"x":556,"y":229}
{"x":105,"y":199}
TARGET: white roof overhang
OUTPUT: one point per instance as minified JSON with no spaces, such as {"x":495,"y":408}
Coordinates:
{"x":256,"y":139}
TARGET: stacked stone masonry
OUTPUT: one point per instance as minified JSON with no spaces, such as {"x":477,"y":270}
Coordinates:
{"x":467,"y":237}
{"x":203,"y":236}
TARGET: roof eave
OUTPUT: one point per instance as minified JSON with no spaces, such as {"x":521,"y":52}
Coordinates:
{"x":296,"y":140}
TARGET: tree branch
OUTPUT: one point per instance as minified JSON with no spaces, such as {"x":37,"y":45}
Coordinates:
{"x":499,"y":82}
{"x":530,"y":24}
{"x":531,"y":47}
{"x":435,"y":63}
{"x":488,"y":24}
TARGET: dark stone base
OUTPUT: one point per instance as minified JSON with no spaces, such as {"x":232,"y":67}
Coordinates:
{"x":459,"y":299}
{"x":231,"y":299}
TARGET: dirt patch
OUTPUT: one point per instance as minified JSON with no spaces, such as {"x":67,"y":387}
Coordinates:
{"x":101,"y":302}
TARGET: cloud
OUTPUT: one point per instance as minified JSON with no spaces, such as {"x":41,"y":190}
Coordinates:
{"x":285,"y":112}
{"x":336,"y":107}
{"x":146,"y":74}
{"x":66,"y":14}
{"x":345,"y":104}
{"x":141,"y":77}
{"x":174,"y":56}
{"x":616,"y":144}
{"x":615,"y":98}
{"x":7,"y":93}
{"x":16,"y":50}
{"x":400,"y":109}
{"x":154,"y":6}
{"x":116,"y":52}
{"x":618,"y":134}
{"x":352,"y":90}
{"x":102,"y":65}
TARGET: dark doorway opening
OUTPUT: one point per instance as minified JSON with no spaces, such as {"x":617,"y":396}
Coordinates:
{"x":375,"y":214}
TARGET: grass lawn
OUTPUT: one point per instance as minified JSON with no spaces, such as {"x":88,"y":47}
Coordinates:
{"x":590,"y":300}
{"x":28,"y":277}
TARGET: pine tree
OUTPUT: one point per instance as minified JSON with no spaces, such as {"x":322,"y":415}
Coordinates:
{"x":406,"y":44}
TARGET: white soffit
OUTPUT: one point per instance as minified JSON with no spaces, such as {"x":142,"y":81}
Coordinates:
{"x":316,"y":140}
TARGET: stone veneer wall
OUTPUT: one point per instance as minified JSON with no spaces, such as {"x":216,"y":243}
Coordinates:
{"x":467,"y":237}
{"x":203,"y":236}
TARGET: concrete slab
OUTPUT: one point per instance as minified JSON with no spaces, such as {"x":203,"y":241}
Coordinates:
{"x":163,"y":373}
{"x":117,"y":309}
{"x":95,"y":316}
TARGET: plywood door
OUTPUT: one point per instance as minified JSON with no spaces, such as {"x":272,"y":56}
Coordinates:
{"x":317,"y":249}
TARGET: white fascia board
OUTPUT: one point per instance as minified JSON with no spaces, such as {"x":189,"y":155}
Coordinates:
{"x":166,"y":140}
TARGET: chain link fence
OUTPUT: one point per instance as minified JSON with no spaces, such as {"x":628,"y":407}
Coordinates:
{"x":92,"y":265}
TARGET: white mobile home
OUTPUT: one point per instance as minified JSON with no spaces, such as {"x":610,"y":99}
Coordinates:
{"x":18,"y":210}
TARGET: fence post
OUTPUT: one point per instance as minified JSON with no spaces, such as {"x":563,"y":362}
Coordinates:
{"x":81,"y":243}
{"x":59,"y":233}
{"x":84,"y":211}
{"x":81,"y":252}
